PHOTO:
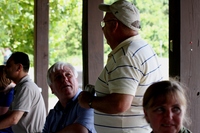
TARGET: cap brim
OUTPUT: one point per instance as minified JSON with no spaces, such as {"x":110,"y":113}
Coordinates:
{"x":104,"y":7}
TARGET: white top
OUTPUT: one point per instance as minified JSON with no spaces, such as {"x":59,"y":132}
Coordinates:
{"x":28,"y":99}
{"x":132,"y":66}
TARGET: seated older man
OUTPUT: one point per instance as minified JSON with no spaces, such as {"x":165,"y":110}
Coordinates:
{"x":67,"y":115}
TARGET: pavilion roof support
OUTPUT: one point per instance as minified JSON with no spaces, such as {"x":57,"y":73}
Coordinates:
{"x":92,"y":39}
{"x":184,"y":31}
{"x":41,"y":46}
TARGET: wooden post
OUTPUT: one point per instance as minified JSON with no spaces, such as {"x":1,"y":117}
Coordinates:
{"x":184,"y":31}
{"x":41,"y":29}
{"x":92,"y":37}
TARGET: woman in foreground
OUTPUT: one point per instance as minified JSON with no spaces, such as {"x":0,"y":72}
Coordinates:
{"x":165,"y":106}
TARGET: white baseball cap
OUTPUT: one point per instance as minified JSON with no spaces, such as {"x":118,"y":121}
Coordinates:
{"x":124,"y":11}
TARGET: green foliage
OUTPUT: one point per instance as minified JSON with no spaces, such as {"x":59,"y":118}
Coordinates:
{"x":66,"y":31}
{"x":17,"y":22}
{"x":154,"y":23}
{"x":65,"y":27}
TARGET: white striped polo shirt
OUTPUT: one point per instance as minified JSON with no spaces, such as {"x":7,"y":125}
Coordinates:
{"x":131,"y":67}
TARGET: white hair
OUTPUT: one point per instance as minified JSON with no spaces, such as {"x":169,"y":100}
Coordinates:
{"x":59,"y":66}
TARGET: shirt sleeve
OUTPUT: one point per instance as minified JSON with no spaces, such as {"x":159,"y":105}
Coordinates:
{"x":86,"y":118}
{"x":23,"y":99}
{"x":47,"y":124}
{"x":52,"y":122}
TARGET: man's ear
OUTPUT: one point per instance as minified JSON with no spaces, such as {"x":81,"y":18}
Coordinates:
{"x":20,"y":67}
{"x":146,"y":115}
{"x":115,"y":26}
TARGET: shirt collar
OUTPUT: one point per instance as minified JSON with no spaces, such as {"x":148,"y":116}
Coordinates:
{"x":59,"y":106}
{"x":125,"y":42}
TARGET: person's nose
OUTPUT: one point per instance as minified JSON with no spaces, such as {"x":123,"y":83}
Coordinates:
{"x":169,"y":114}
{"x":64,"y":78}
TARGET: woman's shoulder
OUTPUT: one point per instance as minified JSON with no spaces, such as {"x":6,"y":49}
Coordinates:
{"x":185,"y":130}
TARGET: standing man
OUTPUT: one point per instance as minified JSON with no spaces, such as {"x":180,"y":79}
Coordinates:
{"x":28,"y":111}
{"x":67,"y":116}
{"x":131,"y":67}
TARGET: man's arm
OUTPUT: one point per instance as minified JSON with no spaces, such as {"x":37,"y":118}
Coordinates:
{"x":82,"y":123}
{"x":3,"y":110}
{"x":112,"y":104}
{"x":74,"y":128}
{"x":12,"y":118}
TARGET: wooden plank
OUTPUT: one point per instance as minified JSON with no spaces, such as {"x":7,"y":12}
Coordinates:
{"x":174,"y":38}
{"x":184,"y":30}
{"x":190,"y":53}
{"x":41,"y":48}
{"x":92,"y":38}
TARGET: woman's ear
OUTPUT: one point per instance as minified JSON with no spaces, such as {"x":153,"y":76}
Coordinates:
{"x":51,"y":89}
{"x":146,"y":115}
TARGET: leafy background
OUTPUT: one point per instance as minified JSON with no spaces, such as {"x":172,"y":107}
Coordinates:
{"x":65,"y":25}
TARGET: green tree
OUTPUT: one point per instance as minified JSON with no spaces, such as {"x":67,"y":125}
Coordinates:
{"x":66,"y":31}
{"x":17,"y":26}
{"x":65,"y":42}
{"x":154,"y":23}
{"x":17,"y":22}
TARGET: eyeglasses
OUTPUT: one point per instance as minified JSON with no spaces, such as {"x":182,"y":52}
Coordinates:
{"x":103,"y":22}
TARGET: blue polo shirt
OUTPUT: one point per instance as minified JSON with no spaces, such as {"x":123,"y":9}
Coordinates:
{"x":58,"y":118}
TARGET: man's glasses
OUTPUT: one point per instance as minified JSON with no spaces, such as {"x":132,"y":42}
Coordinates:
{"x":103,"y":22}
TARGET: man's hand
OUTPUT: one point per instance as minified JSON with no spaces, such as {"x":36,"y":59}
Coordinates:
{"x":84,"y":99}
{"x":111,"y":103}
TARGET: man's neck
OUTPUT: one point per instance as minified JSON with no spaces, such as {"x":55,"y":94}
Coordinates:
{"x":19,"y":78}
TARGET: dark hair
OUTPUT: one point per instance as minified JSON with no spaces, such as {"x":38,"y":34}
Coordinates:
{"x":169,"y":89}
{"x":21,"y":58}
{"x":162,"y":89}
{"x":4,"y":82}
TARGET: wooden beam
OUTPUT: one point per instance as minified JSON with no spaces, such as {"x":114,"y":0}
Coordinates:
{"x":190,"y":47}
{"x":41,"y":29}
{"x":92,"y":39}
{"x":184,"y":30}
{"x":174,"y":38}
